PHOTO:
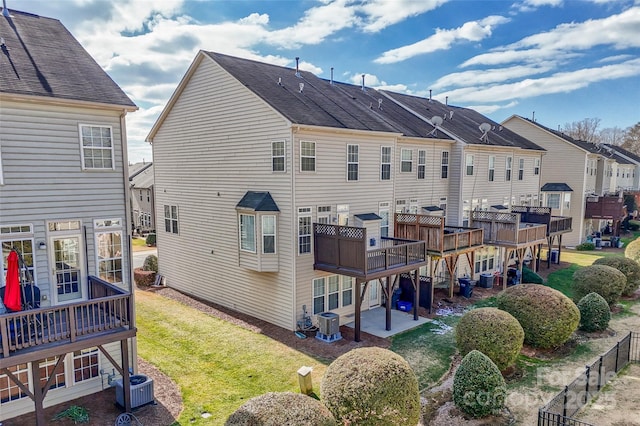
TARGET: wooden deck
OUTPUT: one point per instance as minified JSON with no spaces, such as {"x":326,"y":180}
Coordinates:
{"x":440,"y":239}
{"x":542,"y":215}
{"x":346,"y":250}
{"x":507,"y":229}
{"x":40,"y":333}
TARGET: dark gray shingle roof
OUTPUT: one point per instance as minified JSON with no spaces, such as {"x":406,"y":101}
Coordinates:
{"x":258,"y":201}
{"x":556,"y":187}
{"x":367,"y":216}
{"x":625,"y":152}
{"x":321,"y":102}
{"x":41,"y":58}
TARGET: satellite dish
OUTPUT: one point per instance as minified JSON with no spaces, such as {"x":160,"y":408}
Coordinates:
{"x":485,"y":127}
{"x":436,"y":120}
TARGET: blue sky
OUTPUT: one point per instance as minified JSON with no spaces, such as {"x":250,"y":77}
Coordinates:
{"x":565,"y":60}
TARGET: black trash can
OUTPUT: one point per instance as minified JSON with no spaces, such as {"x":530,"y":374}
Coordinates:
{"x":465,"y":287}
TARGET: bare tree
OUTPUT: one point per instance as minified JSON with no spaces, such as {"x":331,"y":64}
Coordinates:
{"x":632,"y":139}
{"x":612,"y":135}
{"x":583,"y":130}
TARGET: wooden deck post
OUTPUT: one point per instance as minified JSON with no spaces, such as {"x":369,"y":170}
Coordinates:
{"x":38,"y":395}
{"x":416,"y":294}
{"x":359,"y":296}
{"x":388,"y":292}
{"x":126,"y":383}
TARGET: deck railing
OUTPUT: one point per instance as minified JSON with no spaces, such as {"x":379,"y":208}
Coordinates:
{"x":438,"y":237}
{"x":542,"y":215}
{"x":605,"y":207}
{"x":559,"y":224}
{"x":108,"y":309}
{"x":348,"y":250}
{"x":506,"y":228}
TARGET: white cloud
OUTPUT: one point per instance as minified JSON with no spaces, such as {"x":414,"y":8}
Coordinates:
{"x":443,"y":39}
{"x":562,"y":82}
{"x":383,"y":13}
{"x":490,"y":109}
{"x":495,"y":75}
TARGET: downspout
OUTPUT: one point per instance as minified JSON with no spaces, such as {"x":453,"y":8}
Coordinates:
{"x":127,"y":231}
{"x":294,"y":232}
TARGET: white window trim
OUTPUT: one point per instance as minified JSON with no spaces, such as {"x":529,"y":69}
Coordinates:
{"x":508,"y":167}
{"x":341,"y":279}
{"x":314,"y":156}
{"x":274,"y":235}
{"x":84,"y":353}
{"x":536,"y":167}
{"x":173,"y":220}
{"x":112,"y":149}
{"x":492,"y":168}
{"x":402,"y":160}
{"x":283,"y":156}
{"x":443,"y":164}
{"x":240,"y":228}
{"x":304,"y":212}
{"x":521,"y":169}
{"x":469,"y":162}
{"x":422,"y":164}
{"x":356,"y":163}
{"x":385,"y":163}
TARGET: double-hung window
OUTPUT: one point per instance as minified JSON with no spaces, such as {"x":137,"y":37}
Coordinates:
{"x":406,"y":160}
{"x":508,"y":166}
{"x":277,"y":156}
{"x":469,"y":164}
{"x":385,"y":163}
{"x":248,"y":232}
{"x":268,"y":234}
{"x":352,"y":162}
{"x":334,"y":291}
{"x":521,"y":169}
{"x":553,"y":201}
{"x":96,"y":147}
{"x":536,"y":166}
{"x":20,"y":238}
{"x":444,"y":165}
{"x":422,"y":163}
{"x":171,"y":219}
{"x":86,"y":364}
{"x":307,"y":156}
{"x":304,"y":230}
{"x":492,"y":167}
{"x":319,"y":292}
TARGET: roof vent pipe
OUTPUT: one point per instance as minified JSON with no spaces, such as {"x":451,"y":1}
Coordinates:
{"x":331,"y":81}
{"x":429,"y":95}
{"x":5,"y":11}
{"x":363,"y":82}
{"x":297,"y":66}
{"x":533,"y":117}
{"x":446,"y":100}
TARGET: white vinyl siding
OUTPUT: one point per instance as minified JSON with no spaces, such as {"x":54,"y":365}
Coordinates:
{"x":1,"y":174}
{"x":96,"y":147}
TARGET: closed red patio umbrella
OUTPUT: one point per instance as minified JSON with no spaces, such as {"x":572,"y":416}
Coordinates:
{"x":12,"y":283}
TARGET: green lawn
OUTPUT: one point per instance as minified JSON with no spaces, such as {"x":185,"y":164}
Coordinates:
{"x":218,"y":366}
{"x":139,"y":241}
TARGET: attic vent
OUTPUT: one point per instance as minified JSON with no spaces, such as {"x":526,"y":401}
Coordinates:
{"x":301,"y":87}
{"x":279,"y":81}
{"x":379,"y":104}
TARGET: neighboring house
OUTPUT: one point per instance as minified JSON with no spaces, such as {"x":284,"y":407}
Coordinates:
{"x":294,"y":181}
{"x":579,"y":179}
{"x":64,"y":209}
{"x":142,"y":198}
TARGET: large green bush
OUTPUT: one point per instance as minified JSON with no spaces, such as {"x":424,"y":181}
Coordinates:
{"x":478,"y":387}
{"x":151,"y":240}
{"x":530,"y":277}
{"x":608,"y":282}
{"x":628,"y":267}
{"x":371,"y":386}
{"x":282,"y":408}
{"x":633,"y":250}
{"x":594,"y":313}
{"x":547,"y":316}
{"x":495,"y":333}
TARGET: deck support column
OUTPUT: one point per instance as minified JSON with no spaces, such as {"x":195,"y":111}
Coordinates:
{"x":359,"y":296}
{"x":38,"y":395}
{"x":387,"y":287}
{"x":126,"y":383}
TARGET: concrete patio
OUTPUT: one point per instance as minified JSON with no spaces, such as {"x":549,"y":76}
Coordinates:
{"x":373,"y":322}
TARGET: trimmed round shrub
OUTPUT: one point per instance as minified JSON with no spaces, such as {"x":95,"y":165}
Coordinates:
{"x":594,"y":313}
{"x":547,"y":316}
{"x":495,"y":333}
{"x":150,"y":263}
{"x":282,"y":408}
{"x":633,"y":250}
{"x":151,"y":240}
{"x":586,"y":247}
{"x":628,"y":267}
{"x":371,"y":386}
{"x":478,"y":387}
{"x":608,"y":282}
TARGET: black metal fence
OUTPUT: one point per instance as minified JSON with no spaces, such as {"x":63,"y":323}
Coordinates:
{"x":558,"y":411}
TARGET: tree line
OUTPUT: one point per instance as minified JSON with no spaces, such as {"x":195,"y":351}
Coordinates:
{"x":588,"y":130}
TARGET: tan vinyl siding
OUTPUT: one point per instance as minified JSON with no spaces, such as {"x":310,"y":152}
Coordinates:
{"x":562,"y":163}
{"x":196,"y":171}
